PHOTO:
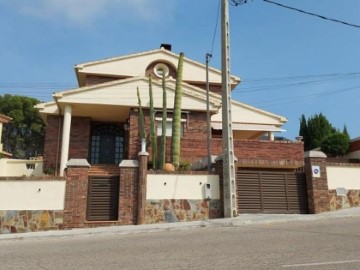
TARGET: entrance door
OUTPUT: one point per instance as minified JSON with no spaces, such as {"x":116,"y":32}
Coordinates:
{"x":107,"y":144}
{"x":107,"y":147}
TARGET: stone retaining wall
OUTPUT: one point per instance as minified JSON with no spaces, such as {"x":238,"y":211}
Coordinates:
{"x":13,"y":221}
{"x":169,"y":211}
{"x":352,"y":199}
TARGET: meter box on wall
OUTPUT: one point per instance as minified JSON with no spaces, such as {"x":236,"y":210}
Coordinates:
{"x":207,"y":187}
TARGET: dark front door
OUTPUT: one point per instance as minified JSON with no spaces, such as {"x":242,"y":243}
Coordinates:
{"x":107,"y":144}
{"x":107,"y":149}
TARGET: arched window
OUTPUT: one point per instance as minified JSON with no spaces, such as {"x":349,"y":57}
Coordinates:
{"x":107,"y":144}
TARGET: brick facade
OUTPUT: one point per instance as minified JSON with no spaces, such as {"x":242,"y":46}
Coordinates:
{"x":193,"y":143}
{"x":52,"y":142}
{"x":79,"y":140}
{"x":194,"y":147}
{"x":355,"y":146}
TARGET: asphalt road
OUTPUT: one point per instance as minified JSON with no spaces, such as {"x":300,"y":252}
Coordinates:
{"x":323,"y":244}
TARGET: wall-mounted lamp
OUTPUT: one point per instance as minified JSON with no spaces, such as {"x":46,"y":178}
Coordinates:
{"x":126,"y":126}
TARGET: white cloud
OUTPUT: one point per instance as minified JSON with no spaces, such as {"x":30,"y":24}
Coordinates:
{"x":88,"y":11}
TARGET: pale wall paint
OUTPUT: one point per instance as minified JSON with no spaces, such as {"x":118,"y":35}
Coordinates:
{"x":32,"y":195}
{"x":177,"y":186}
{"x":348,"y":178}
{"x":20,"y":167}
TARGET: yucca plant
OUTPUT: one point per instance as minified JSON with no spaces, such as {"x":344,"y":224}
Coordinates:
{"x":162,"y":156}
{"x":141,"y":121}
{"x":153,"y":135}
{"x":176,"y":121}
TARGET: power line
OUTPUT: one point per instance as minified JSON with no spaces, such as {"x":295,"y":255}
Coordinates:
{"x":312,"y":14}
{"x":240,"y":2}
{"x":215,"y":29}
{"x":323,"y":94}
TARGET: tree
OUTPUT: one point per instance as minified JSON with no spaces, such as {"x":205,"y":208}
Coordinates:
{"x":314,"y":130}
{"x":24,"y":136}
{"x":336,"y":145}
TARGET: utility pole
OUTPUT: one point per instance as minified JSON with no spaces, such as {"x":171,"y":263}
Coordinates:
{"x":208,"y":56}
{"x":230,"y":209}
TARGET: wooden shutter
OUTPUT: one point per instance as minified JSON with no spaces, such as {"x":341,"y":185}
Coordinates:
{"x":103,"y":198}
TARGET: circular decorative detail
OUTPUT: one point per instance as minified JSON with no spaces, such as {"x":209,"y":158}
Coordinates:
{"x":160,"y":68}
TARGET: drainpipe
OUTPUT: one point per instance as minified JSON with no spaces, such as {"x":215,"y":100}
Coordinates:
{"x":58,"y":137}
{"x":208,"y":56}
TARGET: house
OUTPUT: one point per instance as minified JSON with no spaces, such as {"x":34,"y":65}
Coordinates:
{"x":93,"y":128}
{"x":354,"y":151}
{"x":3,"y":120}
{"x":101,"y":114}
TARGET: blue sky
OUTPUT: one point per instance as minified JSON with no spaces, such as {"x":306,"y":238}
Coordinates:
{"x":290,"y":63}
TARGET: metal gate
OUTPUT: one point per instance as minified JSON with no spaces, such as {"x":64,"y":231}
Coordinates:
{"x":271,"y":192}
{"x":103,"y":198}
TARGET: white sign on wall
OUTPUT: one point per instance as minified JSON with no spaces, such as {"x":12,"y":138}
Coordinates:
{"x":315,"y":171}
{"x":340,"y":191}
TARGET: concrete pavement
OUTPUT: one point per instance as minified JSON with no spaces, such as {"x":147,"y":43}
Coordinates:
{"x":241,"y":220}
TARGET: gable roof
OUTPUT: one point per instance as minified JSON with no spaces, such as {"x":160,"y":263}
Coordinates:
{"x":244,"y":113}
{"x":134,"y":65}
{"x":112,"y":101}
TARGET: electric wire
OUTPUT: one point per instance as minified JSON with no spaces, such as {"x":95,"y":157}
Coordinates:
{"x":240,"y":2}
{"x":322,"y":94}
{"x":313,"y":14}
{"x":215,"y":29}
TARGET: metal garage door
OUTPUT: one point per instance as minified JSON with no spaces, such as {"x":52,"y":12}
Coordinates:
{"x":103,"y":198}
{"x":271,"y":192}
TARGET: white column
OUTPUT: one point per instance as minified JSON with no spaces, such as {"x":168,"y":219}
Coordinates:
{"x":271,"y":136}
{"x":0,"y":136}
{"x":65,"y":139}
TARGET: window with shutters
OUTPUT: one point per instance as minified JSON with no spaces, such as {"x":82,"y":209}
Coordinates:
{"x":169,"y":127}
{"x":107,"y":144}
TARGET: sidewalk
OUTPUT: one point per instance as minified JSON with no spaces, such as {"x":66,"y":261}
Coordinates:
{"x":241,"y":220}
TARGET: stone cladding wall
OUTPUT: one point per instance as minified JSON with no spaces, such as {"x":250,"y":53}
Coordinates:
{"x":352,"y":199}
{"x":169,"y":211}
{"x":20,"y":221}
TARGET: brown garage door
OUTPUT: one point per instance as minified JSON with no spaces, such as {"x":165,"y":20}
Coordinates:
{"x":271,"y":192}
{"x":103,"y":198}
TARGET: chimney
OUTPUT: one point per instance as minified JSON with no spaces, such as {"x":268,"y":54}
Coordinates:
{"x":165,"y":46}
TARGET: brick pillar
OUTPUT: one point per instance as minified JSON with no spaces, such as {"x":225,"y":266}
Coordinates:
{"x":128,"y":191}
{"x":316,"y":180}
{"x":76,"y":193}
{"x":143,"y":161}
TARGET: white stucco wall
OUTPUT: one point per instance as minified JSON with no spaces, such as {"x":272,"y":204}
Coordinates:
{"x":32,"y":195}
{"x":20,"y":167}
{"x":348,"y":178}
{"x":176,"y":186}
